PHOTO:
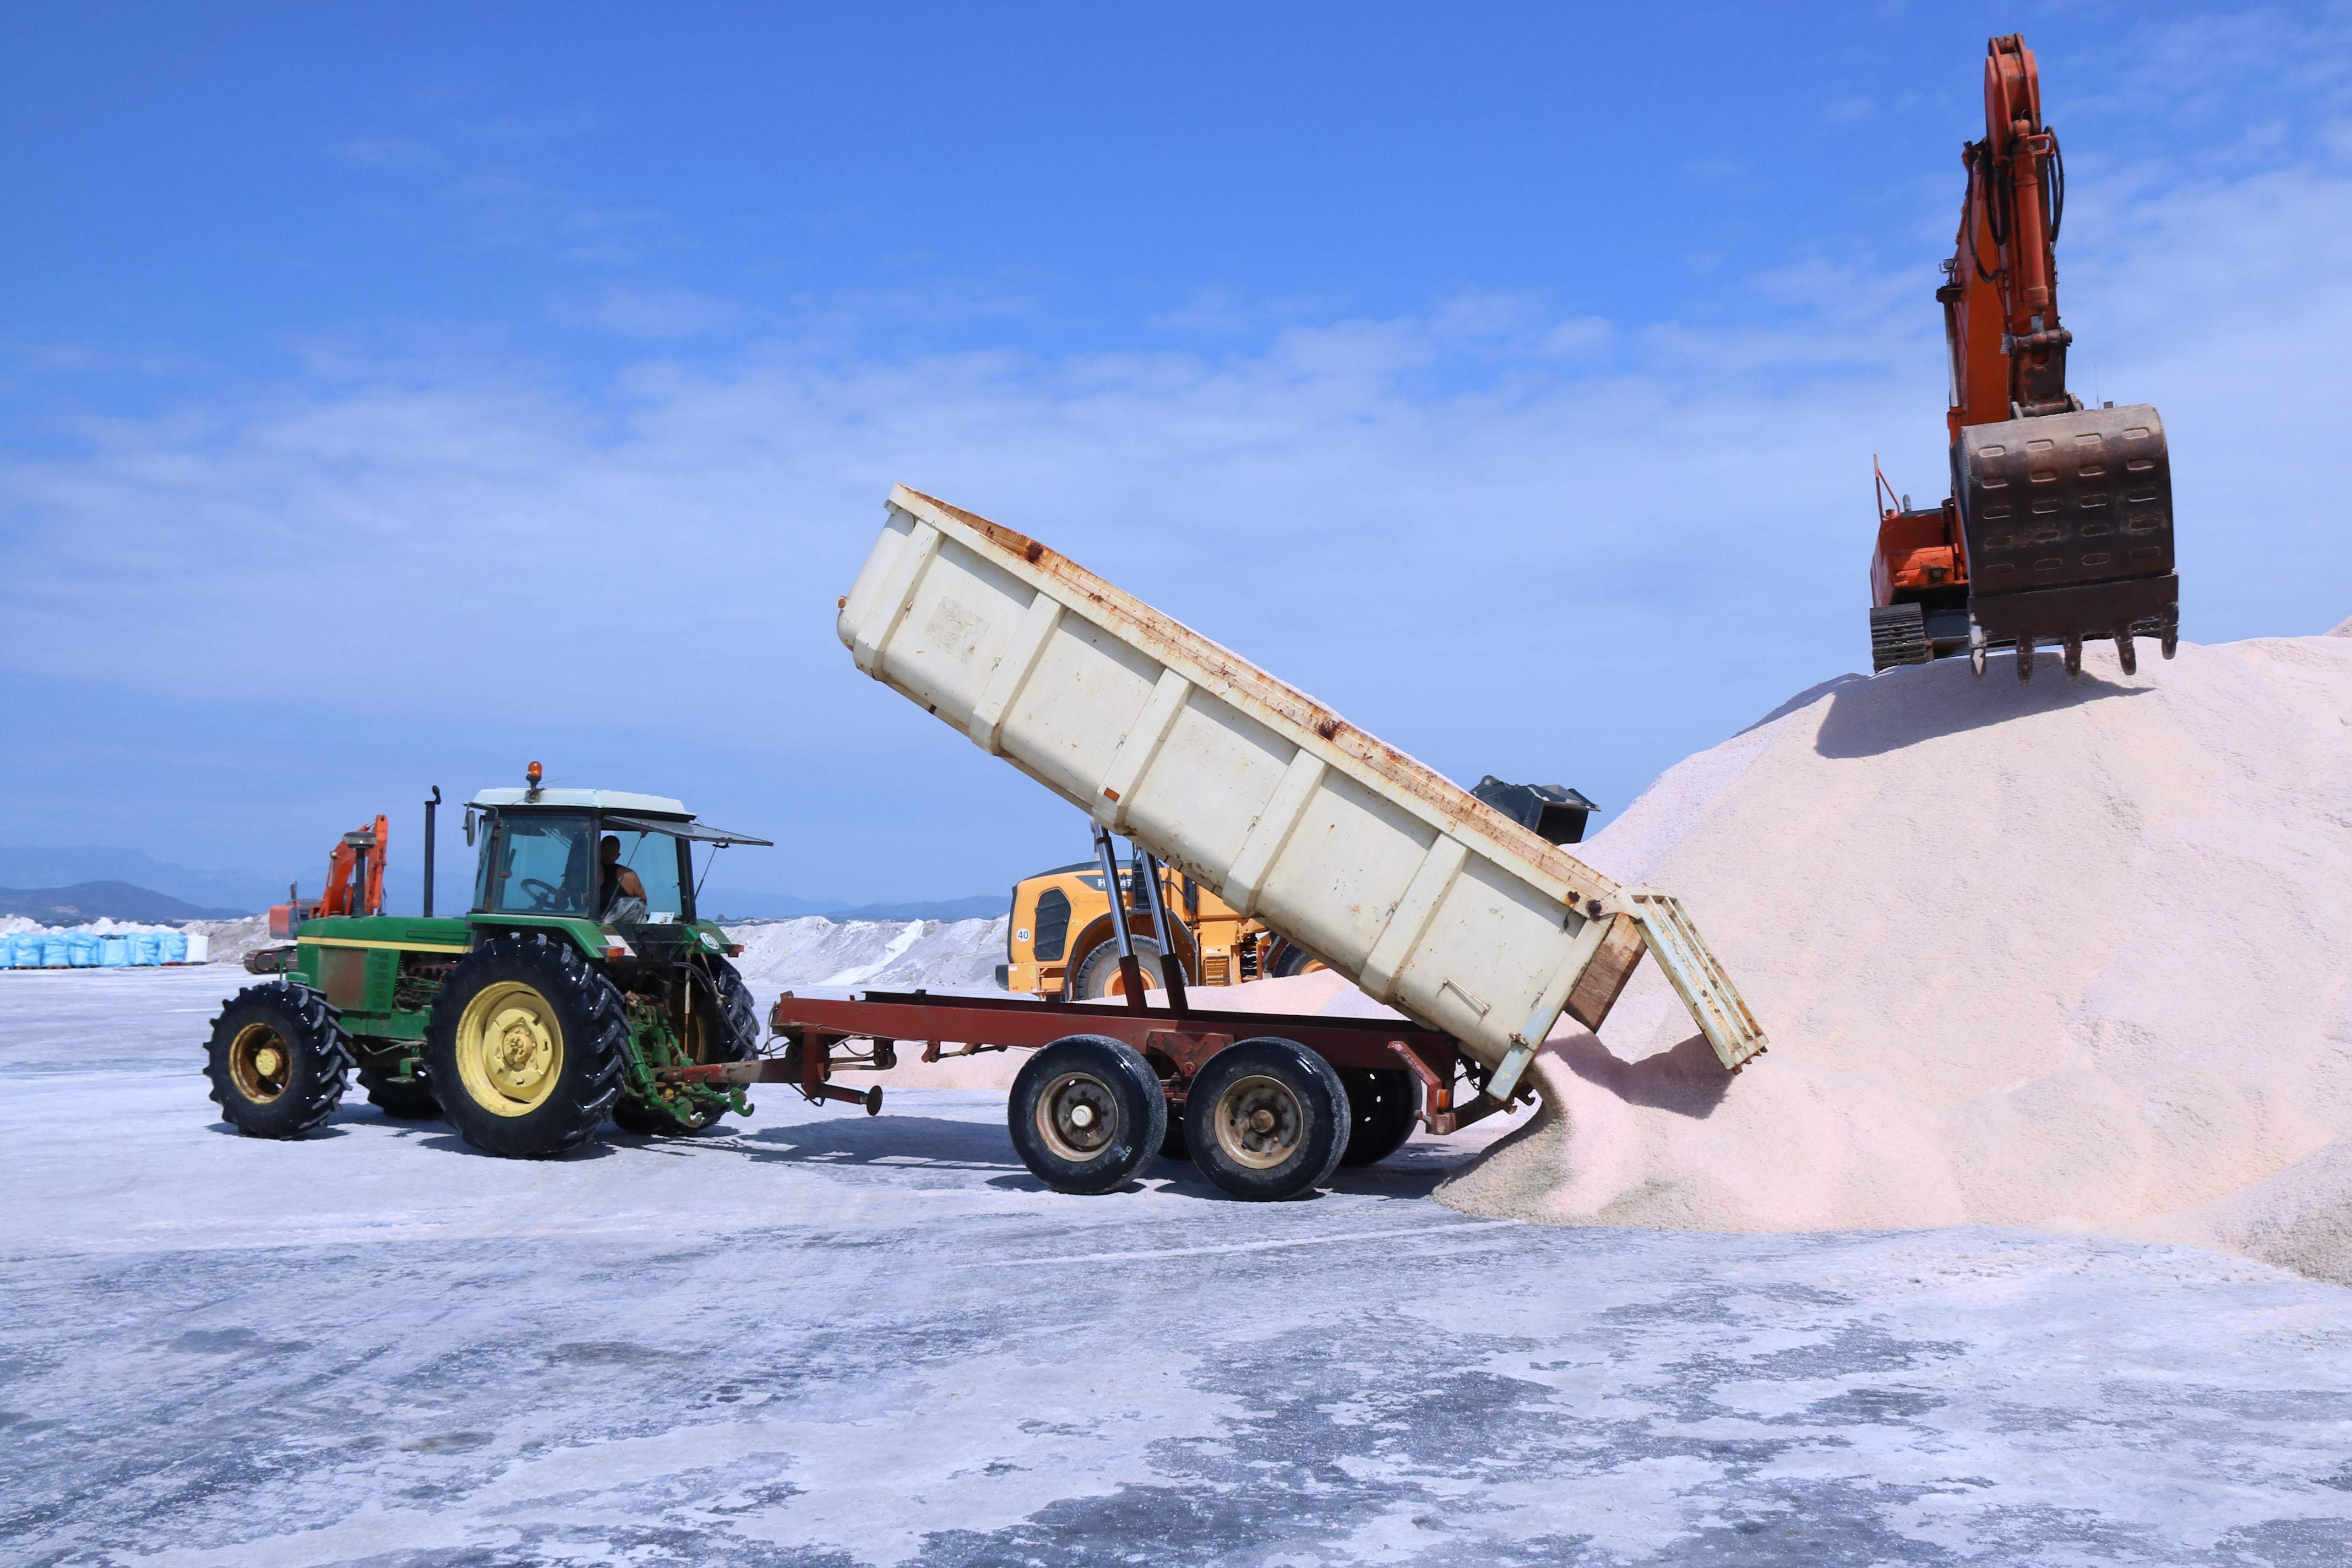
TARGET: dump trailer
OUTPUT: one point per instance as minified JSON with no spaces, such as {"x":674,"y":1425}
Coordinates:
{"x":1465,"y":920}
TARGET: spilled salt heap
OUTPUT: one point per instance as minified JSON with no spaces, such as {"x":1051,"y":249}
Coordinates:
{"x":2074,"y":954}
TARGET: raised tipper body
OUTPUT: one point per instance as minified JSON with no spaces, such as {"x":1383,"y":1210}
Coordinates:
{"x":1428,"y":899}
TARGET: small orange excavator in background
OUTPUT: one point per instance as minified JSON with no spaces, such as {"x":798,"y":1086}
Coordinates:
{"x":355,"y":882}
{"x":2059,"y":528}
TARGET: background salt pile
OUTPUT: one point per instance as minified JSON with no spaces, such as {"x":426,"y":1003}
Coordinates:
{"x":2068,"y":954}
{"x":886,"y":954}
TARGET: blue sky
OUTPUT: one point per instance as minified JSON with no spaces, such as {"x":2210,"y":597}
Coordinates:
{"x":397,"y":394}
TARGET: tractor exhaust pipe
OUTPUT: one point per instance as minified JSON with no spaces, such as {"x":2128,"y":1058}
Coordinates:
{"x":428,"y":849}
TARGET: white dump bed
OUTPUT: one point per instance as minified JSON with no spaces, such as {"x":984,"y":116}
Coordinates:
{"x":1428,"y":899}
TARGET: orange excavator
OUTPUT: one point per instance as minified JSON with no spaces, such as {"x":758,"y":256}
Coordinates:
{"x":355,"y":882}
{"x":2059,"y":528}
{"x":354,"y":887}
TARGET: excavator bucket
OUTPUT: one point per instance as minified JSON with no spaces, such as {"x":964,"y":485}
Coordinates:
{"x":2068,"y":523}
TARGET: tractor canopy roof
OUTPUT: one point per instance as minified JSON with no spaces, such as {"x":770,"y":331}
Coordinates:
{"x":583,"y":799}
{"x":621,"y":809}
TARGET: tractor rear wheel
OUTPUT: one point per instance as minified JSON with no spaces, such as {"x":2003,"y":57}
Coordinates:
{"x":410,"y":1101}
{"x":525,"y":1047}
{"x":726,"y":1029}
{"x":277,"y":1060}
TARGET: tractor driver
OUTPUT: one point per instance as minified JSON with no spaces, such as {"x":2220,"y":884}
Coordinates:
{"x":614,"y":881}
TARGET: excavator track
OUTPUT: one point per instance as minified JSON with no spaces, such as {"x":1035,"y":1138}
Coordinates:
{"x":1898,"y":636}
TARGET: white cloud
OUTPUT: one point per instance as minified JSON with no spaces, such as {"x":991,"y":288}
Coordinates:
{"x":1470,"y":528}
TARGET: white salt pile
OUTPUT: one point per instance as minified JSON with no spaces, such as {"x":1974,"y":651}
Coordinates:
{"x":2068,"y":955}
{"x":886,"y":954}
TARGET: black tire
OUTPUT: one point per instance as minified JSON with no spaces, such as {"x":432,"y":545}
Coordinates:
{"x":1098,"y":971}
{"x":410,"y":1101}
{"x":1086,"y":1113}
{"x":525,"y":1047}
{"x":1383,"y":1109}
{"x":277,"y":1058}
{"x":733,"y":1038}
{"x":1266,"y":1119}
{"x":1289,"y":961}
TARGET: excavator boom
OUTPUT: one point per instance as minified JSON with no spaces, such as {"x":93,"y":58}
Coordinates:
{"x":2059,"y":528}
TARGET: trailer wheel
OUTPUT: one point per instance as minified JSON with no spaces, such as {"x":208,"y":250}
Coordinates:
{"x":1085,"y":1112}
{"x":277,"y":1060}
{"x":1381,"y":1112}
{"x":727,"y":1033}
{"x":410,"y":1101}
{"x":1267,"y":1119}
{"x":525,"y":1047}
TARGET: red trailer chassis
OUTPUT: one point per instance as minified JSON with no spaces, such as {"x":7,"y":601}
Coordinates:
{"x":1177,"y":1041}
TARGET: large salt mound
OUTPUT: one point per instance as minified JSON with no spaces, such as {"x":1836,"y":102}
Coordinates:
{"x":2069,"y":953}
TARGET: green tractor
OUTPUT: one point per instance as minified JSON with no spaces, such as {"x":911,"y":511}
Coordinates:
{"x":579,"y":972}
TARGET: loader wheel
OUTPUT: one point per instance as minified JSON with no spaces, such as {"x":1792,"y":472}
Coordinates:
{"x":525,"y":1047}
{"x":1099,"y":974}
{"x":277,"y":1060}
{"x":1085,"y":1112}
{"x":1289,"y":961}
{"x":410,"y":1101}
{"x":729,"y":1032}
{"x":1381,"y":1112}
{"x":1266,"y":1119}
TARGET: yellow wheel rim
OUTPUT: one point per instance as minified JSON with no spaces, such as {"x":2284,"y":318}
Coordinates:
{"x":260,"y":1063}
{"x":510,"y":1049}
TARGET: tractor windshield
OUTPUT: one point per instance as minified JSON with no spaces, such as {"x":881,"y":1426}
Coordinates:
{"x":541,"y":863}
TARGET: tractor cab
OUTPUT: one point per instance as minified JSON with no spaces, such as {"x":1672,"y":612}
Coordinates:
{"x":624,"y":861}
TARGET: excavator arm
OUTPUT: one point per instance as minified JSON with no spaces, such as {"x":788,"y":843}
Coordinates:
{"x":2059,"y":528}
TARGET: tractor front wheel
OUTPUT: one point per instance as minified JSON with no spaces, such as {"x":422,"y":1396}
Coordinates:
{"x":277,"y":1060}
{"x":525,"y":1047}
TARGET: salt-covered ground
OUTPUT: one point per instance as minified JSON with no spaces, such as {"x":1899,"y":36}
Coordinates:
{"x":817,"y":1338}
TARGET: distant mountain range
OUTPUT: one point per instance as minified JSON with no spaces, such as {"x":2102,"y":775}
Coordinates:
{"x":61,"y":876}
{"x":240,"y":892}
{"x":85,"y":902}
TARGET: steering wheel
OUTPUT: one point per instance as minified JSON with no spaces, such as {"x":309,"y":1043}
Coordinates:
{"x":543,"y":895}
